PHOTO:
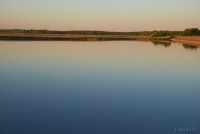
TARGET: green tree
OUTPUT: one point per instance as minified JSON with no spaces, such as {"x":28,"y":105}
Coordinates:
{"x":191,"y":32}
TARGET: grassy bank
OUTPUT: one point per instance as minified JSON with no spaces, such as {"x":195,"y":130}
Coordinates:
{"x":70,"y":37}
{"x":77,"y":37}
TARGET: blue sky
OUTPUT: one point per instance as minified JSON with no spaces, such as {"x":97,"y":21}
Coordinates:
{"x":112,"y":15}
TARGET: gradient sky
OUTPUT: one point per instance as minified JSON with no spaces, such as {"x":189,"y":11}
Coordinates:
{"x":110,"y":15}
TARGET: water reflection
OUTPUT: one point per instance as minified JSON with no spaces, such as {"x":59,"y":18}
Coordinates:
{"x":191,"y":47}
{"x":166,"y":44}
{"x":162,"y":43}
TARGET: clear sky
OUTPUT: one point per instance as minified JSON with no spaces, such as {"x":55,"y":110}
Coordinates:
{"x":109,"y":15}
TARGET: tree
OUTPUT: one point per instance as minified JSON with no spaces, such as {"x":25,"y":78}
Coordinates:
{"x":191,"y":32}
{"x":161,"y":33}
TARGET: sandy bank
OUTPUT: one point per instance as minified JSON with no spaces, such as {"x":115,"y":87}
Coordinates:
{"x":187,"y":40}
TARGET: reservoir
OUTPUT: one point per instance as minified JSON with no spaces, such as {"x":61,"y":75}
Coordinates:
{"x":105,"y":87}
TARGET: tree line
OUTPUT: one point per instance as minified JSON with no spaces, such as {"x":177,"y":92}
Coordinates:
{"x":186,"y":32}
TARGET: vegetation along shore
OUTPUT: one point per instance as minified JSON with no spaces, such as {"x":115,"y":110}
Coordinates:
{"x":188,"y":36}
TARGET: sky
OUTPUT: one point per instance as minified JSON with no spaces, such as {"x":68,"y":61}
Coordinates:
{"x":104,"y":15}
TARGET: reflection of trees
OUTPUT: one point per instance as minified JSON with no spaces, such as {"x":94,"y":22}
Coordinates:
{"x":187,"y":46}
{"x":162,"y":43}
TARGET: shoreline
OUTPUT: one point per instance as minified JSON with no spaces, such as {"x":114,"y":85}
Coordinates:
{"x":70,"y":37}
{"x":77,"y":37}
{"x":193,"y":40}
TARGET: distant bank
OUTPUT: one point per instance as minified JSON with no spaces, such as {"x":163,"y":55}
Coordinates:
{"x":188,"y":36}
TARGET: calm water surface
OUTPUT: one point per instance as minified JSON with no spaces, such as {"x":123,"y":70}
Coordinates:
{"x":120,"y":87}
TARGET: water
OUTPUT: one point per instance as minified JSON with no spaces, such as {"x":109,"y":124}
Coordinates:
{"x":125,"y":87}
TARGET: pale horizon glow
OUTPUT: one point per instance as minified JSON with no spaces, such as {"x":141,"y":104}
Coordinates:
{"x":104,"y":15}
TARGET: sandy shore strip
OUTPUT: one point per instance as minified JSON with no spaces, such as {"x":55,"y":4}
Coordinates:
{"x":187,"y":40}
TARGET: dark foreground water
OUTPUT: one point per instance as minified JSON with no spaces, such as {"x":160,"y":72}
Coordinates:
{"x":98,"y":88}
